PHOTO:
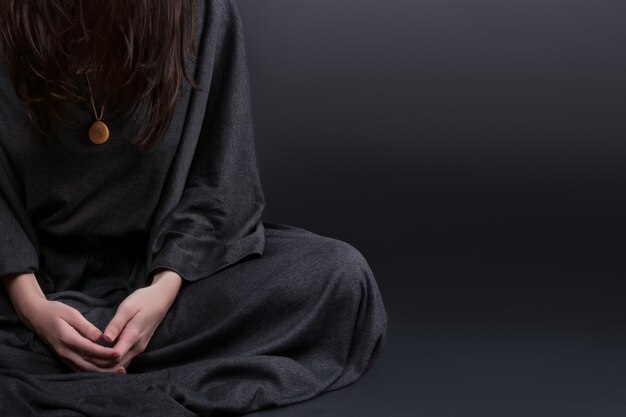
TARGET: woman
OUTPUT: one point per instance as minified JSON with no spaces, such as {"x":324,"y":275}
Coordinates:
{"x":132,"y":241}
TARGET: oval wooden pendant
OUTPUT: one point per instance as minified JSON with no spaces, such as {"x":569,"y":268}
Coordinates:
{"x":98,"y":132}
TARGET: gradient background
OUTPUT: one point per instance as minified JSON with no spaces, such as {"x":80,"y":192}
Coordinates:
{"x":474,"y":152}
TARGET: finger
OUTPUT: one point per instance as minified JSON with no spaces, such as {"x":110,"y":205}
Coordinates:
{"x":102,"y":362}
{"x":79,"y":364}
{"x":86,"y":366}
{"x":126,"y":341}
{"x":73,"y":340}
{"x":125,"y":362}
{"x":81,"y":324}
{"x":118,"y":322}
{"x":132,"y":353}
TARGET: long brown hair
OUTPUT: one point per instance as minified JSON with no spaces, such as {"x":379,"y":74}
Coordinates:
{"x":136,"y":47}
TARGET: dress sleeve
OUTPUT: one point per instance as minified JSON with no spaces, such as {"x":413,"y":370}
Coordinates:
{"x":17,"y":251}
{"x":217,"y":221}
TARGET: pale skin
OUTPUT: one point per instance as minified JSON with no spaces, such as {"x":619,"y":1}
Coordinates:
{"x":74,"y":339}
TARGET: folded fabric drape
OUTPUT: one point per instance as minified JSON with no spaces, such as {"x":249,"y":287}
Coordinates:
{"x":211,"y":215}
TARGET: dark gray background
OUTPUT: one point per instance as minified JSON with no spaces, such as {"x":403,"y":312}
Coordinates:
{"x":474,"y":152}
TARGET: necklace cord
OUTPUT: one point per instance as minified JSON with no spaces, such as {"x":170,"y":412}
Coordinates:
{"x":93,"y":106}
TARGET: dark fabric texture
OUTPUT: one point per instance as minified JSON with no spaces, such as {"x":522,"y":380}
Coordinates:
{"x":305,"y":318}
{"x":268,"y":314}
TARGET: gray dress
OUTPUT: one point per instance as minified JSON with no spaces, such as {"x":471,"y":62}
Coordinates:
{"x":268,"y":314}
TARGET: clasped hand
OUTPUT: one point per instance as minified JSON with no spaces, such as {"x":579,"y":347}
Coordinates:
{"x":74,"y":338}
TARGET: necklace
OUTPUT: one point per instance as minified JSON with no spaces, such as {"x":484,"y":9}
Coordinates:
{"x":99,"y":131}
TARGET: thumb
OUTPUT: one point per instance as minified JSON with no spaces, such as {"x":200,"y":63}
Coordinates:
{"x":117,"y":323}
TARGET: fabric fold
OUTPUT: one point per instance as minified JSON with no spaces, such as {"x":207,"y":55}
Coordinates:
{"x":18,"y":254}
{"x":217,"y":220}
{"x":19,"y":251}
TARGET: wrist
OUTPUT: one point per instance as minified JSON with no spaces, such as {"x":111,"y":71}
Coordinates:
{"x":167,"y":275}
{"x":25,"y":294}
{"x":23,"y":289}
{"x":168,"y":282}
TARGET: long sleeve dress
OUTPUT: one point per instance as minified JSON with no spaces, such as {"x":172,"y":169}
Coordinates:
{"x":268,"y":314}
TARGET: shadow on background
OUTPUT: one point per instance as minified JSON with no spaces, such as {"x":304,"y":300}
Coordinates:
{"x":474,"y":152}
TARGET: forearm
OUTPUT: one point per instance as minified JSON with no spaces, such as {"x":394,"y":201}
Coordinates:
{"x":24,"y":292}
